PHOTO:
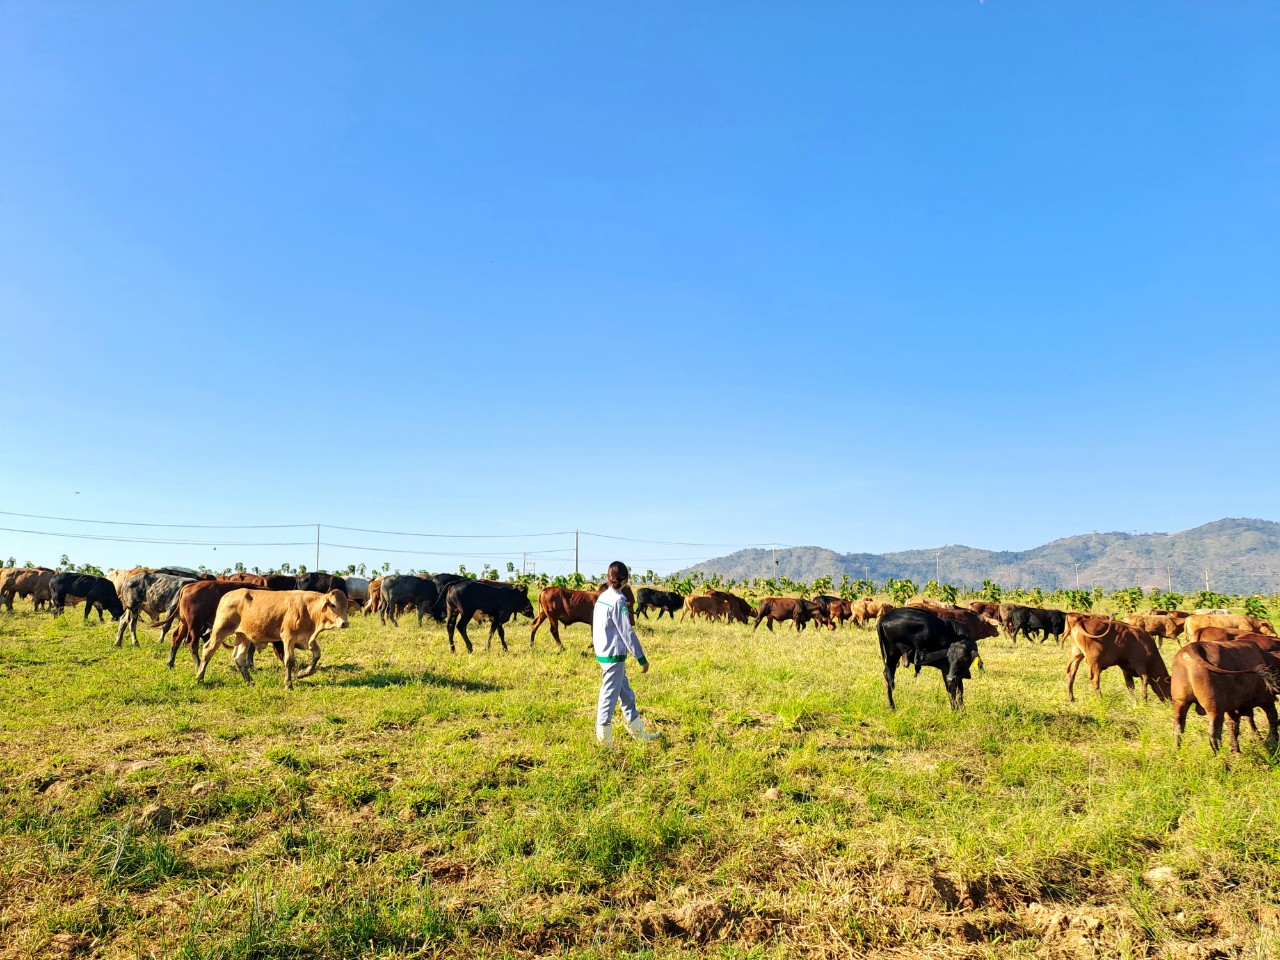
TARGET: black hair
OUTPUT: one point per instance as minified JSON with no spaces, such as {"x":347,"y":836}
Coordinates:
{"x":618,"y":571}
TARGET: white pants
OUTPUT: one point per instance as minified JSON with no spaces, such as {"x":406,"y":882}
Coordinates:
{"x":613,"y":688}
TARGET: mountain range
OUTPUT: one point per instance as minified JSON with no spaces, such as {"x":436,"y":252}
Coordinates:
{"x":1238,"y":556}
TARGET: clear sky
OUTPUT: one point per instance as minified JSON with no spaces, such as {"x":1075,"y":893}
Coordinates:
{"x":871,"y":276}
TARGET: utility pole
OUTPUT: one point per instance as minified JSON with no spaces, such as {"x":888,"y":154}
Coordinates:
{"x":317,"y":548}
{"x":1077,"y":576}
{"x":1169,"y":571}
{"x":575,"y":552}
{"x":1206,"y":579}
{"x":937,"y":567}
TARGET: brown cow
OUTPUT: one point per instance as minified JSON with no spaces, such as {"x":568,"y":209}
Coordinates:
{"x":33,"y":582}
{"x":245,"y":580}
{"x":986,"y":608}
{"x":1226,"y":680}
{"x":1232,"y":621}
{"x":839,"y":611}
{"x":773,"y":609}
{"x":194,"y":612}
{"x":562,"y":606}
{"x":1104,"y":642}
{"x":713,"y":608}
{"x":295,"y":618}
{"x":1161,"y":627}
{"x":375,"y":596}
{"x":980,"y":627}
{"x":739,"y":611}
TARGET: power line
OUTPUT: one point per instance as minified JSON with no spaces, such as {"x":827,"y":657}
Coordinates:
{"x":419,"y":553}
{"x":675,"y":543}
{"x":182,"y":526}
{"x":450,"y":536}
{"x":155,"y":540}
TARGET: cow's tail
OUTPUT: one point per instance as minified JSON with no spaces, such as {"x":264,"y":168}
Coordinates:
{"x":1091,"y":636}
{"x":167,"y":622}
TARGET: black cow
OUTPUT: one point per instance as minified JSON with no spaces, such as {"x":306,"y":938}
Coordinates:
{"x":401,"y":590}
{"x":155,"y":594}
{"x":662,"y":600}
{"x":1029,"y":621}
{"x":96,"y":591}
{"x":814,"y":609}
{"x":499,"y":601}
{"x":443,"y":582}
{"x":918,"y":637}
{"x":321,"y":582}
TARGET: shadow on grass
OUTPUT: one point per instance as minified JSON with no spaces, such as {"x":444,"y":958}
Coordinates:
{"x":407,"y":678}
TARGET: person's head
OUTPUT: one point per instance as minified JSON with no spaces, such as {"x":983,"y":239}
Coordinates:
{"x":618,"y":574}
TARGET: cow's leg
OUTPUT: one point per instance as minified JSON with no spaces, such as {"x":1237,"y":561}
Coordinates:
{"x":769,"y":623}
{"x":890,"y":668}
{"x":1233,"y":731}
{"x":1215,"y":731}
{"x":314,"y":647}
{"x":462,"y":629}
{"x":1095,"y":679}
{"x":1128,"y":683}
{"x":179,"y":634}
{"x":1073,"y":665}
{"x":1180,"y":721}
{"x":450,"y":625}
{"x":1248,"y":715}
{"x":537,"y":622}
{"x":1269,"y":708}
{"x":87,"y":605}
{"x":555,"y":632}
{"x":124,"y":625}
{"x":210,"y":648}
{"x":164,"y":631}
{"x":133,"y":626}
{"x":502,"y":636}
{"x":241,"y":657}
{"x":290,"y":664}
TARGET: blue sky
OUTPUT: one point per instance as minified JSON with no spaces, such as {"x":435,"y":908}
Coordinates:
{"x":870,"y":276}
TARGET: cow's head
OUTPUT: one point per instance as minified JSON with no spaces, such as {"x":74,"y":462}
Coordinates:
{"x":1265,"y":628}
{"x":525,"y":606}
{"x":335,"y":610}
{"x":960,"y":655}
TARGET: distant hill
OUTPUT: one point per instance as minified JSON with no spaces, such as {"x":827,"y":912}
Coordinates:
{"x":1241,"y":556}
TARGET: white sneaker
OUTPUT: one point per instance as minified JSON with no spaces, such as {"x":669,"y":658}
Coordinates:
{"x":604,"y":734}
{"x":636,"y":729}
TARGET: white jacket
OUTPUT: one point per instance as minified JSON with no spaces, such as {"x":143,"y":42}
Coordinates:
{"x":612,"y":634}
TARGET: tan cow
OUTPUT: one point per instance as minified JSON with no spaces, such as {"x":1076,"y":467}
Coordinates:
{"x":866,"y":610}
{"x":1160,"y":626}
{"x":1232,"y":621}
{"x":33,"y":582}
{"x":293,"y":618}
{"x":118,"y":577}
{"x":1104,"y":642}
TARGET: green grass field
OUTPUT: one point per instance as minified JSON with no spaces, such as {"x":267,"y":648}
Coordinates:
{"x":408,"y":802}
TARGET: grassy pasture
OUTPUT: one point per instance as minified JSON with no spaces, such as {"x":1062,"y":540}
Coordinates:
{"x":407,"y":802}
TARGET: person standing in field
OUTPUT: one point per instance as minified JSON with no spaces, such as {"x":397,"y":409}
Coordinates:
{"x":613,"y":637}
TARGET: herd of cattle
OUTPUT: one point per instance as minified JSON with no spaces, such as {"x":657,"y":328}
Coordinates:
{"x":1228,"y":667}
